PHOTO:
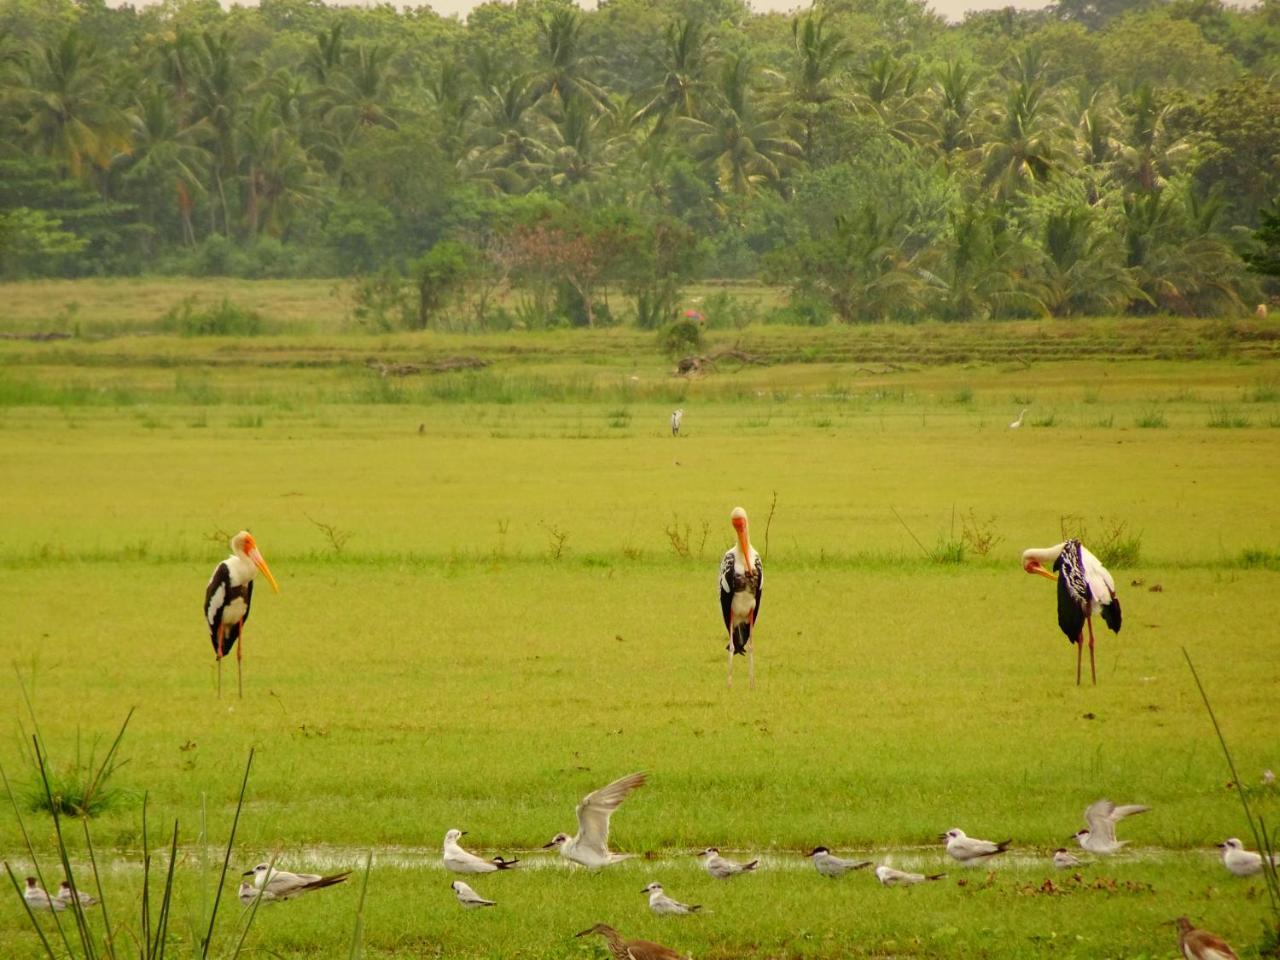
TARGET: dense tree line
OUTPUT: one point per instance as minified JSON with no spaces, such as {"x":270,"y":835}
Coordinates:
{"x":1099,"y":156}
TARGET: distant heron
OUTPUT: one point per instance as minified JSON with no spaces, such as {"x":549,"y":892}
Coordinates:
{"x":1017,"y":423}
{"x":675,"y":422}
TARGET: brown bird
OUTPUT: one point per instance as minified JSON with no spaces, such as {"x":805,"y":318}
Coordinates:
{"x":1201,"y":944}
{"x":621,"y":949}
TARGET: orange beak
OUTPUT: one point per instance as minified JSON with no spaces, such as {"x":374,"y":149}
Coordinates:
{"x":741,"y":527}
{"x":261,"y":564}
{"x":1034,"y":567}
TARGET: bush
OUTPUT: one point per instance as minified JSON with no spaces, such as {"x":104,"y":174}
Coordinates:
{"x":224,"y":319}
{"x":680,"y":338}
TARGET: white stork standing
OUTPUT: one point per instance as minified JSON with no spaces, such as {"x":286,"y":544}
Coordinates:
{"x":741,"y":582}
{"x":1084,"y":586}
{"x":227,"y":599}
{"x":676,"y":417}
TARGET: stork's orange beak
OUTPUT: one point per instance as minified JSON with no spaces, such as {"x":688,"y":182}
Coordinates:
{"x":1035,"y":567}
{"x":261,"y":564}
{"x":741,"y":526}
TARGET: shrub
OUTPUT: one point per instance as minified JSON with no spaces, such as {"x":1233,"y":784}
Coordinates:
{"x":223,"y":319}
{"x":680,"y":338}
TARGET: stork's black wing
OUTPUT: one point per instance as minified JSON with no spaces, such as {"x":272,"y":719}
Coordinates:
{"x":1073,"y":590}
{"x":726,"y":587}
{"x":759,"y":589}
{"x":216,"y":596}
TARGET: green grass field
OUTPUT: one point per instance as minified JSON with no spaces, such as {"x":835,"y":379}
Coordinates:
{"x":515,"y":603}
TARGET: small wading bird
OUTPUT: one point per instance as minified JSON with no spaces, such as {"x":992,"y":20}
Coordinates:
{"x":39,"y":899}
{"x":660,"y":903}
{"x":1063,"y":859}
{"x":1102,"y":816}
{"x":621,"y":949}
{"x":1238,"y":860}
{"x":227,"y":599}
{"x":723,"y":869}
{"x":969,"y":850}
{"x":590,"y":845}
{"x":458,"y":860}
{"x":890,"y":877}
{"x":1018,"y":423}
{"x":832,"y":866}
{"x":248,"y":893}
{"x":469,"y":899}
{"x":283,"y":885}
{"x":1201,"y":944}
{"x":741,"y":581}
{"x":1084,"y":586}
{"x":675,"y":422}
{"x":66,"y":895}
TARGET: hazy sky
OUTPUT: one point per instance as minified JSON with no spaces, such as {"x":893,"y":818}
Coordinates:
{"x":951,"y":9}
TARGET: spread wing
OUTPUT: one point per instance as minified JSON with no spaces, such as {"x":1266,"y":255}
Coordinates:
{"x":1128,"y":810}
{"x":1099,"y":817}
{"x":755,"y":558}
{"x":597,"y":807}
{"x":726,"y":587}
{"x":217,"y":594}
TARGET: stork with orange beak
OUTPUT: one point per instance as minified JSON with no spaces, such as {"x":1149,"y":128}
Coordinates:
{"x":227,"y":600}
{"x":741,"y":581}
{"x":1084,"y":586}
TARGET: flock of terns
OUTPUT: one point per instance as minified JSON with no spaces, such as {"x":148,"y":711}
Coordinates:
{"x":589,"y":847}
{"x":1084,"y":587}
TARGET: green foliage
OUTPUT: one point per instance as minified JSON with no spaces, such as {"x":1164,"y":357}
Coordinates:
{"x":438,"y":276}
{"x":680,"y":338}
{"x":222,"y":319}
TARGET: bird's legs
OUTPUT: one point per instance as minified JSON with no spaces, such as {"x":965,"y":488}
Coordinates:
{"x":1079,"y":655}
{"x":731,"y":658}
{"x":751,"y":658}
{"x":221,"y":628}
{"x":1093,"y":671}
{"x":239,"y":658}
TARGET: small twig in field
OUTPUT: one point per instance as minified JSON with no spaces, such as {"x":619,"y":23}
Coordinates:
{"x":557,"y":539}
{"x":773,"y":504}
{"x":337,"y":538}
{"x":922,"y":547}
{"x":706,"y":532}
{"x":218,"y":536}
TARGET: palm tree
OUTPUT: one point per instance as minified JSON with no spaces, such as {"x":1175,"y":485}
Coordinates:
{"x":220,"y":79}
{"x":276,"y":171}
{"x":1150,"y":152}
{"x":1081,"y":266}
{"x":819,"y":54}
{"x":982,"y":260}
{"x":453,"y":100}
{"x":741,"y":148}
{"x":562,"y":74}
{"x":170,"y":154}
{"x":951,"y":116}
{"x":887,"y":90}
{"x":67,"y":114}
{"x":1023,"y":146}
{"x":507,"y":139}
{"x":687,"y":49}
{"x":581,"y":150}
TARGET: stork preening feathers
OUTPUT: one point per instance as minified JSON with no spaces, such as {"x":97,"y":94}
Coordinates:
{"x":741,"y":581}
{"x":1084,"y":587}
{"x":228,"y":597}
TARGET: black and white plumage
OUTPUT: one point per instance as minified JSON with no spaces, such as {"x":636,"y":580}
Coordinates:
{"x":1084,"y":587}
{"x":228,"y":597}
{"x":283,"y":885}
{"x":741,"y":587}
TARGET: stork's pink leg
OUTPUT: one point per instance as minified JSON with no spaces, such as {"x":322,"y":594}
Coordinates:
{"x":239,"y":658}
{"x":1079,"y":655}
{"x":730,"y":657}
{"x":751,"y":658}
{"x":219,"y":652}
{"x":1092,"y":669}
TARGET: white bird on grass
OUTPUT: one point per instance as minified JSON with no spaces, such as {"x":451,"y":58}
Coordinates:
{"x":723,"y":869}
{"x":890,"y":877}
{"x":1102,"y":817}
{"x":469,"y":899}
{"x":830,"y":865}
{"x":66,"y":895}
{"x":675,"y":422}
{"x":1017,"y":423}
{"x":1239,"y":861}
{"x":458,"y":860}
{"x":590,"y":845}
{"x":248,"y":893}
{"x":283,"y":885}
{"x":969,"y":850}
{"x":741,"y":587}
{"x":1063,"y":859}
{"x":39,"y":899}
{"x":660,"y":903}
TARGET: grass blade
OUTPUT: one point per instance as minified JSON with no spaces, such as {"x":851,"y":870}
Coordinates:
{"x":31,"y":916}
{"x":357,"y":935}
{"x":226,"y":860}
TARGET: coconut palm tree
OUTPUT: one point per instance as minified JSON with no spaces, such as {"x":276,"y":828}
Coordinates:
{"x":1024,"y":143}
{"x":508,"y":144}
{"x":819,"y":53}
{"x":170,"y":154}
{"x":563,"y":70}
{"x":688,"y":47}
{"x":739,"y":146}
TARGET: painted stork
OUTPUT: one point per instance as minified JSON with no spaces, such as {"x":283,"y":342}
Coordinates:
{"x":741,"y":582}
{"x":227,"y":600}
{"x":1084,"y":586}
